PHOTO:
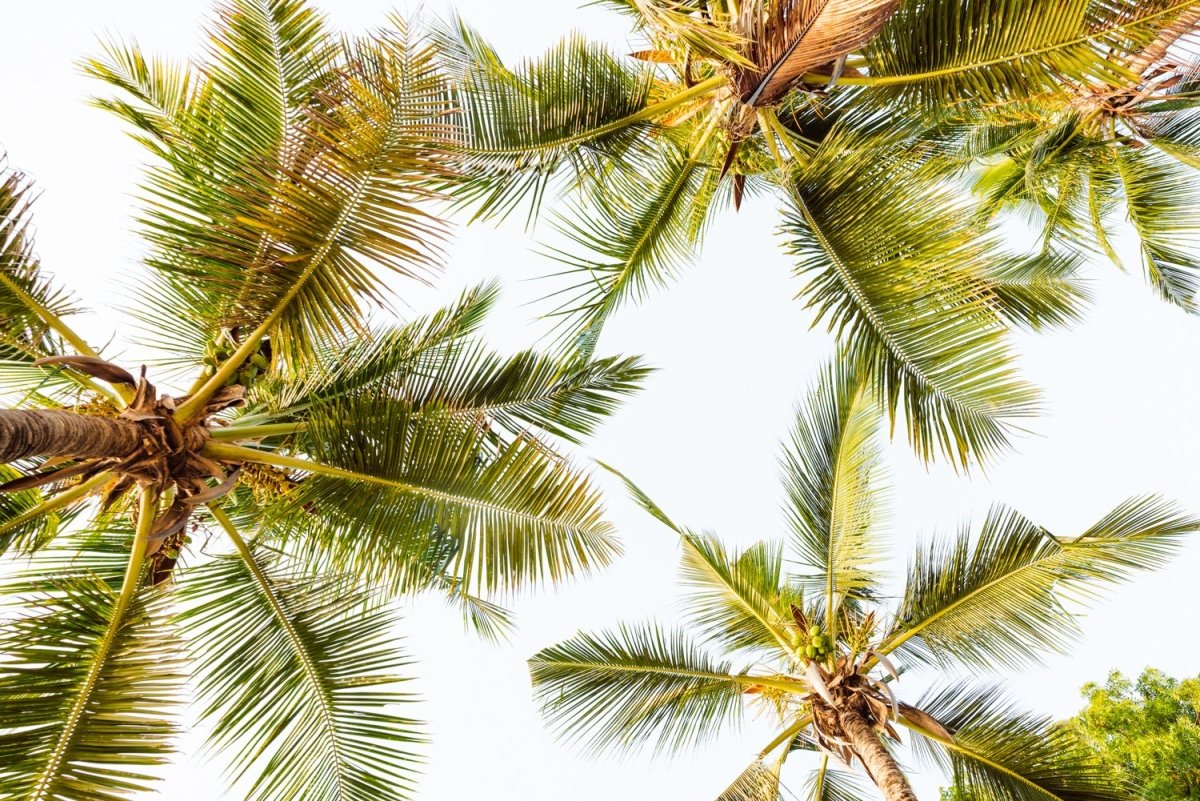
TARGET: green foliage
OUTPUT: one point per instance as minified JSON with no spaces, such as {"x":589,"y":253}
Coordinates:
{"x":870,"y":121}
{"x":758,"y":639}
{"x":293,"y":170}
{"x":1147,"y":730}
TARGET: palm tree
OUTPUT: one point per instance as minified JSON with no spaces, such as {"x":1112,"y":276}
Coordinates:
{"x":856,"y":114}
{"x":243,"y":536}
{"x":822,"y":652}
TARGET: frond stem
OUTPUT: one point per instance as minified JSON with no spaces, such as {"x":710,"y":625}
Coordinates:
{"x":147,"y":506}
{"x":268,"y":591}
{"x":891,"y":80}
{"x":58,"y":501}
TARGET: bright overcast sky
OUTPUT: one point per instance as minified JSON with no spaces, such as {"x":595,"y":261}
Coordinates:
{"x":734,"y":353}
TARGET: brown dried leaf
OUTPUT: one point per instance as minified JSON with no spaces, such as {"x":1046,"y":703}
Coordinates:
{"x":96,"y":368}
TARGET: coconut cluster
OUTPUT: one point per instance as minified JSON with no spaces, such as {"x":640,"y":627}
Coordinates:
{"x":814,"y":645}
{"x":222,"y":349}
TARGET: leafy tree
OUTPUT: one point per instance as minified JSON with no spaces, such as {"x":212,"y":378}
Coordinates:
{"x":1148,"y":730}
{"x":868,"y":119}
{"x":326,"y":462}
{"x":822,"y":651}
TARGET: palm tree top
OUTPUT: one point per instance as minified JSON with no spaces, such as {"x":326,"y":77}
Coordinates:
{"x":804,"y":632}
{"x":891,"y":132}
{"x":244,"y":535}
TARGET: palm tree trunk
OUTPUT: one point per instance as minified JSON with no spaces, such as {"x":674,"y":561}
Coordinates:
{"x":38,"y":432}
{"x":878,"y":760}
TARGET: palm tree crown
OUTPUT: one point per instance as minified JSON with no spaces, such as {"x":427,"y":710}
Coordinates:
{"x":820,"y":651}
{"x":870,"y":120}
{"x":244,"y":535}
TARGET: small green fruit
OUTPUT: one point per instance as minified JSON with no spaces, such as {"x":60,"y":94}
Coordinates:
{"x":810,"y":652}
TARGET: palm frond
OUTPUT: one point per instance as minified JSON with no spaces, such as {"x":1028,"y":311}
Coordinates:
{"x":903,"y":283}
{"x":635,"y":687}
{"x":160,"y":100}
{"x":936,"y":53}
{"x":835,"y":785}
{"x":522,"y":127}
{"x":89,"y":689}
{"x":300,"y":677}
{"x":23,"y":528}
{"x":633,"y":231}
{"x":1000,"y":754}
{"x":518,"y":511}
{"x":1162,"y":202}
{"x":758,"y":782}
{"x":832,"y":472}
{"x":29,"y":300}
{"x":314,"y":181}
{"x":1040,"y":292}
{"x":565,"y":397}
{"x":736,"y":600}
{"x":360,"y":363}
{"x":1000,"y":600}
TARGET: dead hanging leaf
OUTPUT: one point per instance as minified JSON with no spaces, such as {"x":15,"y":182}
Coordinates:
{"x":96,"y":368}
{"x":48,"y":477}
{"x":925,"y":722}
{"x":801,"y":620}
{"x":797,"y":36}
{"x":214,"y":492}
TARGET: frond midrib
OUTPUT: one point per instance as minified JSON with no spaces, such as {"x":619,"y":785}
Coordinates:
{"x":868,"y":309}
{"x":103,"y":652}
{"x":741,"y":679}
{"x":278,"y":460}
{"x":884,"y":80}
{"x":311,"y":674}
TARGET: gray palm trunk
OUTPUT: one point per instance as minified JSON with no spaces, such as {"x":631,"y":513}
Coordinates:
{"x":52,"y":433}
{"x":878,"y":761}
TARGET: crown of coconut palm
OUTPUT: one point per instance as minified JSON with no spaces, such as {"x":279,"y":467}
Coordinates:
{"x":857,"y":115}
{"x":1109,"y":153}
{"x":329,"y":463}
{"x":823,"y":654}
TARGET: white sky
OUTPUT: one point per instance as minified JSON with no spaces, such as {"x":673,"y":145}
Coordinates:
{"x":735,"y":354}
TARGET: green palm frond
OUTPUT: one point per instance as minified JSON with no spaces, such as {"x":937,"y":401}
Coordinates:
{"x":633,"y":231}
{"x":739,"y":600}
{"x":161,"y":101}
{"x":703,"y":31}
{"x":519,"y":512}
{"x":933,"y":54}
{"x":897,"y":268}
{"x":301,"y":679}
{"x":557,"y":114}
{"x":1000,"y":754}
{"x":736,"y":599}
{"x":1040,"y":292}
{"x":89,"y":687}
{"x":635,"y":687}
{"x":1162,"y":204}
{"x":566,"y":397}
{"x":835,"y":785}
{"x":1000,"y":599}
{"x":758,"y":782}
{"x":31,"y":305}
{"x":281,"y":221}
{"x":831,"y":473}
{"x":26,"y":520}
{"x":356,"y":364}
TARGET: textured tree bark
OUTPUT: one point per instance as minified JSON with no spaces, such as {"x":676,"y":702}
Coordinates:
{"x":38,"y":432}
{"x":878,"y":760}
